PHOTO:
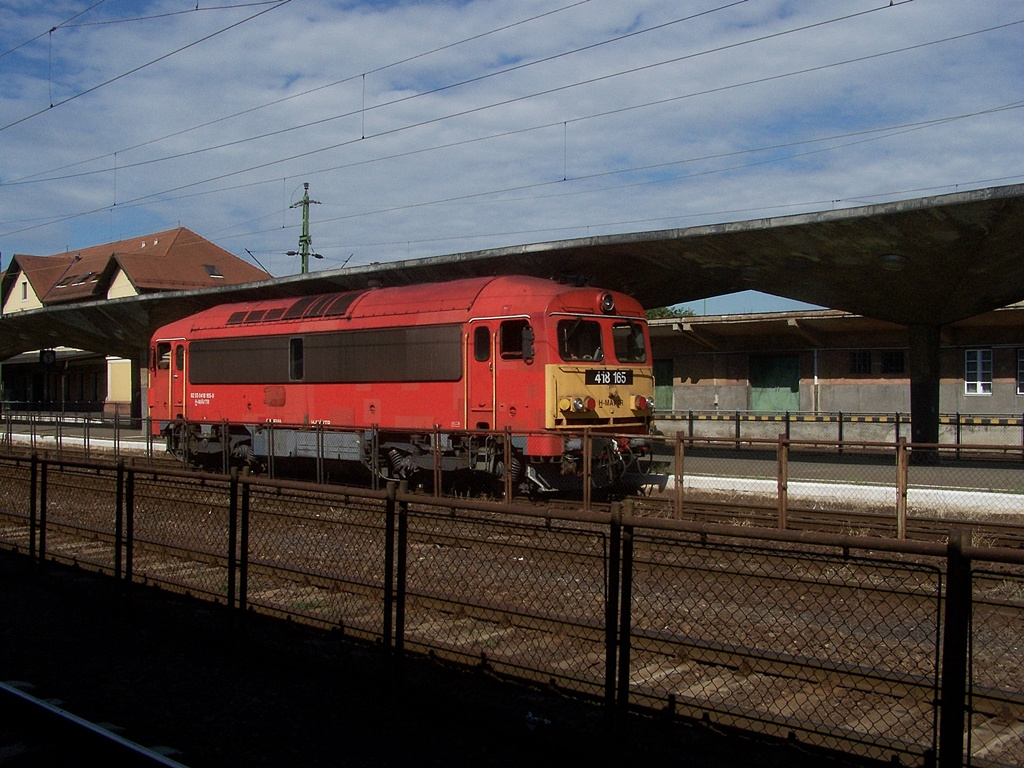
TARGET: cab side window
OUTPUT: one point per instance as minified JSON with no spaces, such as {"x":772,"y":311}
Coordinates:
{"x":163,"y":356}
{"x":516,"y":340}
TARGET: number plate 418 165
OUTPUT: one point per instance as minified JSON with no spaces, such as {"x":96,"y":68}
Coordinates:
{"x":608,"y":376}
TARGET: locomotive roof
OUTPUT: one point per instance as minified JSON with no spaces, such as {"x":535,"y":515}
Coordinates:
{"x":446,"y":301}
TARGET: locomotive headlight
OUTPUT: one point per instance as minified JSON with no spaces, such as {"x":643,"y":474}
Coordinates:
{"x":607,"y":303}
{"x":577,"y":404}
{"x":641,"y":403}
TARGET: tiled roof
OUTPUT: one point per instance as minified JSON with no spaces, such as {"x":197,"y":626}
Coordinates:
{"x":177,"y":259}
{"x":42,"y":271}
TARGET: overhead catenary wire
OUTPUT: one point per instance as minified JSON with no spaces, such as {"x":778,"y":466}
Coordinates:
{"x":496,"y":190}
{"x":309,"y":91}
{"x":140,"y":67}
{"x":507,"y":102}
{"x":52,"y":29}
{"x":169,"y":194}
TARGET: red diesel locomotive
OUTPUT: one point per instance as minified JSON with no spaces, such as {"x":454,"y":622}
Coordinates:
{"x":417,"y":371}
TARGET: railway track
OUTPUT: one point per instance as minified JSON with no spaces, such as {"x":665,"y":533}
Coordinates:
{"x":986,"y":530}
{"x":318,"y":563}
{"x":41,"y":734}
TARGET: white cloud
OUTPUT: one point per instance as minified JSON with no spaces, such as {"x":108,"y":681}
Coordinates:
{"x":509,"y":138}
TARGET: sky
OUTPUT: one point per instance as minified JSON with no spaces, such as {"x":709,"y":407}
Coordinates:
{"x":428,"y":128}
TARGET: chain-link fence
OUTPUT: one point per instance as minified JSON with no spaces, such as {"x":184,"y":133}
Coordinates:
{"x":317,"y":557}
{"x":901,"y":490}
{"x":961,"y":430}
{"x":895,"y":650}
{"x":775,"y":641}
{"x":505,"y":592}
{"x":996,"y":704}
{"x":859,"y":488}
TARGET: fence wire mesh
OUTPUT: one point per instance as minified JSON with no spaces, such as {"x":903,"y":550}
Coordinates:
{"x":824,"y":646}
{"x":842,"y":651}
{"x":996,"y":727}
{"x":181,"y":529}
{"x":14,"y":502}
{"x":318,"y":557}
{"x":516,"y":595}
{"x":80,"y":515}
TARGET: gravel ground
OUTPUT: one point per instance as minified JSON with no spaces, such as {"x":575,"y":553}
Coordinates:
{"x":176,"y":672}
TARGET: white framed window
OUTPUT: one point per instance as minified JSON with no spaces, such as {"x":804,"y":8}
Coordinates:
{"x":978,"y":372}
{"x":1020,"y":371}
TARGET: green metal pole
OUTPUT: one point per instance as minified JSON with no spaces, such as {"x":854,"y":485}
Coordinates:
{"x":304,"y":239}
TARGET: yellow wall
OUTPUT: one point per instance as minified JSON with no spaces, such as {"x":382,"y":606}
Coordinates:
{"x":15,"y":303}
{"x":119,"y":380}
{"x":121,"y":286}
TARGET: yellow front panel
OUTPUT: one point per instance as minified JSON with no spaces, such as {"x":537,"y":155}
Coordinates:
{"x":614,"y":402}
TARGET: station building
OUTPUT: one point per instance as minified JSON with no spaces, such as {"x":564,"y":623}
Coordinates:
{"x":807,"y":362}
{"x":68,"y":380}
{"x":828,"y":361}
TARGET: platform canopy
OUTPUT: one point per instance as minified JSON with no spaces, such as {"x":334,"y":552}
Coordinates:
{"x":922,"y":262}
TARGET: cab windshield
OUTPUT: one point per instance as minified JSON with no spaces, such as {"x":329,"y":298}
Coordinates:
{"x":629,"y":343}
{"x":579,"y":339}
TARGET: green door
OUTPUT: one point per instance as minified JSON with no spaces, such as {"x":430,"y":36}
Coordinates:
{"x":775,"y":383}
{"x":663,"y":398}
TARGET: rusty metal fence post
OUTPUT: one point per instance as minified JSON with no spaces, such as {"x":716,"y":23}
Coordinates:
{"x":243,"y":548}
{"x":232,"y":537}
{"x":42,"y":511}
{"x":389,"y":567}
{"x":626,"y":615}
{"x":129,"y":524}
{"x":954,"y":654}
{"x":401,"y":569}
{"x":588,"y":459}
{"x":783,"y":459}
{"x":611,"y":606}
{"x":902,"y":471}
{"x":225,"y":447}
{"x":437,"y":461}
{"x":680,"y":480}
{"x":119,"y":522}
{"x":32,"y":499}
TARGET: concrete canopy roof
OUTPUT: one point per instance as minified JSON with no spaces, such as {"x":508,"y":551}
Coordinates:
{"x":927,"y":261}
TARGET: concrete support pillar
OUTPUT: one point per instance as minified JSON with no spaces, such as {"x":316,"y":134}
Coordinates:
{"x":924,"y":383}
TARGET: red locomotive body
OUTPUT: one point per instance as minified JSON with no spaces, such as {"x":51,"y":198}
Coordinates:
{"x":483,"y":354}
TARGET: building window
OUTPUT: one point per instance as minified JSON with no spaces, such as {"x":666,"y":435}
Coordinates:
{"x":24,"y":290}
{"x":1020,"y":371}
{"x":892,"y":361}
{"x":213,"y":271}
{"x":860,"y":362}
{"x":978,"y":372}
